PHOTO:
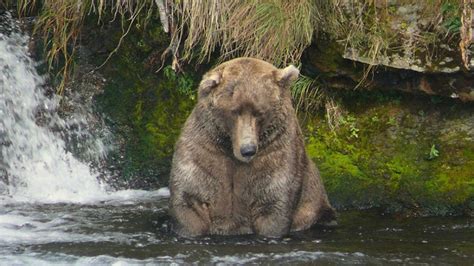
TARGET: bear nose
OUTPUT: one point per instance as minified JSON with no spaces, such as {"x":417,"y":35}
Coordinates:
{"x":248,"y":150}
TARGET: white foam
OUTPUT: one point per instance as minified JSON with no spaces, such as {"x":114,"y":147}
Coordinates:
{"x":120,"y":197}
{"x":19,"y":229}
{"x":60,"y":259}
{"x":28,"y":225}
{"x":292,"y":256}
{"x":38,"y":166}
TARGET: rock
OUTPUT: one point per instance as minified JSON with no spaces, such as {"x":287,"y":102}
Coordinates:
{"x":324,"y":59}
{"x":411,"y":155}
{"x":395,"y":46}
{"x":416,"y":36}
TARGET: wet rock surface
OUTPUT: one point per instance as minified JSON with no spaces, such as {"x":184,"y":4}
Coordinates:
{"x":400,"y":153}
{"x":324,"y":59}
{"x":414,"y":47}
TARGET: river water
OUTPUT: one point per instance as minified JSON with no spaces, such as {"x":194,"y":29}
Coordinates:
{"x":56,"y":207}
{"x":131,"y":228}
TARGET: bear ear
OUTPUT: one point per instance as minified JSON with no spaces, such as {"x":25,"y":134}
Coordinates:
{"x":209,"y":82}
{"x":284,"y":77}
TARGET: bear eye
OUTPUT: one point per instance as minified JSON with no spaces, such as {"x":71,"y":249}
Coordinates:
{"x":235,"y":111}
{"x":257,"y":113}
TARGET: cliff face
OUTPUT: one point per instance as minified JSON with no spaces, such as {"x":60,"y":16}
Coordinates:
{"x":398,"y":152}
{"x":404,"y":153}
{"x":412,"y":46}
{"x":397,"y":132}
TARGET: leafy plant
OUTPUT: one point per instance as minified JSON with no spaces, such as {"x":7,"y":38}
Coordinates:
{"x":392,"y":121}
{"x":184,"y":80}
{"x":307,"y":95}
{"x":350,"y":121}
{"x":452,"y":21}
{"x":434,"y":152}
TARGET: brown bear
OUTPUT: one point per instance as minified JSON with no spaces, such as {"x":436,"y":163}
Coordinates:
{"x":240,"y":164}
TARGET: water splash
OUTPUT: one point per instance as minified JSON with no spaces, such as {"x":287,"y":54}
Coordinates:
{"x":34,"y":162}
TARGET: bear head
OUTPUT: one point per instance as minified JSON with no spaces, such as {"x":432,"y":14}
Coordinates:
{"x":249,"y":101}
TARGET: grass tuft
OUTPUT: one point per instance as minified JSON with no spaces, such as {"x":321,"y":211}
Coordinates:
{"x":307,"y":94}
{"x":60,"y":23}
{"x":276,"y":31}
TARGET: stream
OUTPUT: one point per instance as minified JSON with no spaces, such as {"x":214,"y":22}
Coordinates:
{"x":130,"y":227}
{"x":56,"y":207}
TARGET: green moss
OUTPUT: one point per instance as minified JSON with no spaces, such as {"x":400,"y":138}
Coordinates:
{"x":337,"y":158}
{"x":388,"y":165}
{"x":147,"y":109}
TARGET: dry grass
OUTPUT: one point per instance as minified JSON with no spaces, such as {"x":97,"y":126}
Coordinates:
{"x":307,"y":94}
{"x":277,"y":30}
{"x":334,"y":113}
{"x":370,"y":26}
{"x":274,"y":30}
{"x":60,"y":23}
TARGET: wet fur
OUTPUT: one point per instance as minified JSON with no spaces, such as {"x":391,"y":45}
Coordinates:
{"x":212,"y":191}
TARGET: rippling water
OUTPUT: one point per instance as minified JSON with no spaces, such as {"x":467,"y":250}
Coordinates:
{"x":130,"y":227}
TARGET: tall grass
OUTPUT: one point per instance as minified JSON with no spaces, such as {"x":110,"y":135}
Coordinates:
{"x":60,"y":23}
{"x":369,"y":27}
{"x":274,"y":30}
{"x":307,"y":94}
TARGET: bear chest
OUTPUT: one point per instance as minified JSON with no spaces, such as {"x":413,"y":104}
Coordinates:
{"x":239,"y":191}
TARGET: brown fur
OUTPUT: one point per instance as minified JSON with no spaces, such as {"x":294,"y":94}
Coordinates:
{"x":217,"y":190}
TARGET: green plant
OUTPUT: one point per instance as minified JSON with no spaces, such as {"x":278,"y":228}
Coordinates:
{"x":392,"y":121}
{"x":374,"y":119}
{"x":434,"y":153}
{"x":350,"y":121}
{"x":307,"y":94}
{"x":185,"y":82}
{"x":452,"y":19}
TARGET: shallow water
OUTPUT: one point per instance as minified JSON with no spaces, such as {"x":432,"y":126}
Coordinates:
{"x":131,"y":227}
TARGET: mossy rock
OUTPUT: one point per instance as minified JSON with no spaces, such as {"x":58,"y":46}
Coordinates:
{"x":144,"y":109}
{"x":403,"y":154}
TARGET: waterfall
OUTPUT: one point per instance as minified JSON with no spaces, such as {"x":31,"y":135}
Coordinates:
{"x":35,"y":164}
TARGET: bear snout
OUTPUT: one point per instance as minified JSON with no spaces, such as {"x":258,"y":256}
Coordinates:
{"x":244,"y":138}
{"x":245,"y":150}
{"x":248,"y":150}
